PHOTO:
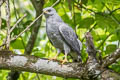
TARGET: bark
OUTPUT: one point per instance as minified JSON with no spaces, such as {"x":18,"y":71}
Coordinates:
{"x":91,"y":70}
{"x":11,"y":61}
{"x":38,"y":5}
{"x":112,"y":58}
{"x":37,"y":65}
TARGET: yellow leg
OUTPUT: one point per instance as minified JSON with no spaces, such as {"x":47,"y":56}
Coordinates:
{"x":65,"y":60}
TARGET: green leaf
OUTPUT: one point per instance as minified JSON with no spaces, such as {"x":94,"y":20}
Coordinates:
{"x":86,"y":22}
{"x":84,"y":2}
{"x":95,"y":36}
{"x":77,"y":18}
{"x":39,"y":54}
{"x":113,"y":2}
{"x":105,"y":20}
{"x":96,"y":4}
{"x":93,"y":1}
{"x":3,"y":24}
{"x":26,"y":75}
{"x":111,"y":48}
{"x":67,"y":20}
{"x":117,"y":16}
{"x":17,"y":44}
{"x":118,"y":34}
{"x":114,"y":38}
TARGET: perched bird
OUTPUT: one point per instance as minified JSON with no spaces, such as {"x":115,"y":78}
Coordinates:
{"x":62,"y":36}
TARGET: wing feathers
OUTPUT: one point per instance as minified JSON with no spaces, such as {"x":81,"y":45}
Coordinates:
{"x":70,"y":37}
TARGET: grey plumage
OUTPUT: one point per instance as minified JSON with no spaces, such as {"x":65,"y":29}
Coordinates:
{"x":63,"y":37}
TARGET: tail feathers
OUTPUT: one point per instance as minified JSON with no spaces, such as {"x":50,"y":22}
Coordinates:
{"x":76,"y":57}
{"x":80,"y":44}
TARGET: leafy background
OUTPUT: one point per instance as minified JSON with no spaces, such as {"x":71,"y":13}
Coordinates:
{"x":100,"y":17}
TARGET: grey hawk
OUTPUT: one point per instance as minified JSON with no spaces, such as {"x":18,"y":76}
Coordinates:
{"x":62,"y":36}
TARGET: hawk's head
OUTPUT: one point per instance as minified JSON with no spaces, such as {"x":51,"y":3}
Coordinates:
{"x":49,"y":11}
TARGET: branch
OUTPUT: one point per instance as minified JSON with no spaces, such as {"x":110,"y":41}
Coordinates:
{"x":114,"y":10}
{"x":106,"y":62}
{"x":38,"y":7}
{"x":0,"y":16}
{"x":111,"y":58}
{"x":90,"y":45}
{"x":110,"y":75}
{"x":89,"y":71}
{"x":8,"y":24}
{"x":92,"y":52}
{"x":34,"y":64}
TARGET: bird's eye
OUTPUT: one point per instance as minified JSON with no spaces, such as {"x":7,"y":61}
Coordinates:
{"x":49,"y":10}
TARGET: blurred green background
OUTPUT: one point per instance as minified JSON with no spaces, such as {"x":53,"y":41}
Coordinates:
{"x":100,"y":17}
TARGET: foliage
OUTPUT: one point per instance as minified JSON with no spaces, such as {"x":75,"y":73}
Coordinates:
{"x":101,"y":17}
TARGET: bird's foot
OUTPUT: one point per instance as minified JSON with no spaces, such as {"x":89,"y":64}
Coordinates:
{"x":54,"y":58}
{"x":63,"y":61}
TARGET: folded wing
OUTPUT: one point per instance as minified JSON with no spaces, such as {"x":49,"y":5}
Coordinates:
{"x":70,"y":37}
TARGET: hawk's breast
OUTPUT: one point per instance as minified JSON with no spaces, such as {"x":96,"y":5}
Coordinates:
{"x":52,"y":30}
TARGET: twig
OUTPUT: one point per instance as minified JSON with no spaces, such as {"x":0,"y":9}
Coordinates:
{"x":108,"y":37}
{"x":1,"y":2}
{"x":114,"y":10}
{"x":92,"y":27}
{"x":55,"y":3}
{"x":8,"y":24}
{"x":104,"y":41}
{"x":70,"y":5}
{"x":88,"y":9}
{"x":18,"y":22}
{"x":0,"y":18}
{"x":74,"y":18}
{"x":112,"y":16}
{"x":38,"y":76}
{"x":119,"y":44}
{"x":89,"y":31}
{"x":14,"y":38}
{"x":15,"y":10}
{"x":17,"y":16}
{"x":3,"y":44}
{"x":84,"y":7}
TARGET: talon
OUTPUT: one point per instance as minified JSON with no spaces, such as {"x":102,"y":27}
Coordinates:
{"x":54,"y":58}
{"x":65,"y":60}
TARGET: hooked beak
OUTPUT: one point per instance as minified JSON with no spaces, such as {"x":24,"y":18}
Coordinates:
{"x":45,"y":12}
